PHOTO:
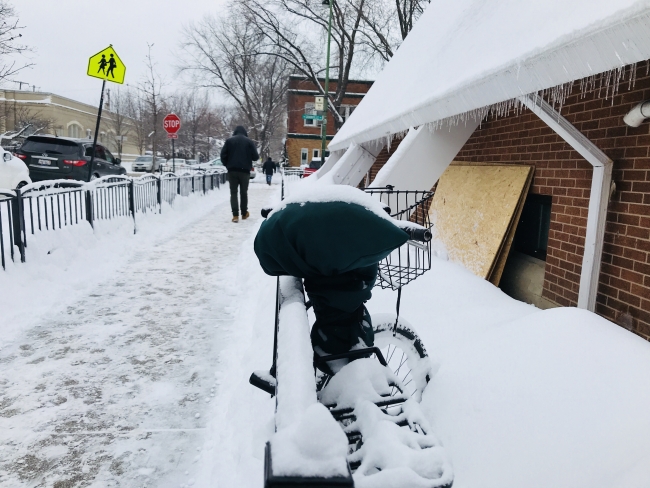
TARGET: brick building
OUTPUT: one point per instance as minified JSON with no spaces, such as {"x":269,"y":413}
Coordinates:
{"x":304,"y":136}
{"x":555,"y":102}
{"x":564,"y":177}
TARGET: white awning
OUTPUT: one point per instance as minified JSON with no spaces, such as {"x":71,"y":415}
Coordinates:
{"x":464,"y":55}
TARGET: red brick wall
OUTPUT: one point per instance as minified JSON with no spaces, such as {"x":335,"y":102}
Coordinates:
{"x":624,"y":288}
{"x":382,"y":158}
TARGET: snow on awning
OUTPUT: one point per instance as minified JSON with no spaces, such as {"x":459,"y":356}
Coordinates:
{"x":469,"y":54}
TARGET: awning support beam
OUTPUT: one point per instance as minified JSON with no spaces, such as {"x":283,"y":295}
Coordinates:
{"x":598,"y":199}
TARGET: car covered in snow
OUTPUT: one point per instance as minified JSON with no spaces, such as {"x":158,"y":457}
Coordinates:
{"x":147,"y":164}
{"x":314,"y":166}
{"x":13,"y":171}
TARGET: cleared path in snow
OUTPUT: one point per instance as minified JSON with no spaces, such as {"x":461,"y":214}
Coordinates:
{"x":112,"y":390}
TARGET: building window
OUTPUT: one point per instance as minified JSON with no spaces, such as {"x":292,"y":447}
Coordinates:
{"x":315,"y":154}
{"x":74,"y":130}
{"x":346,"y":111}
{"x":310,"y":110}
{"x":531,"y":237}
{"x":303,"y":155}
{"x":88,"y":134}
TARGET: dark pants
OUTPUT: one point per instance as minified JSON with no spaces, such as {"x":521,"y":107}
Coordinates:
{"x":268,"y":179}
{"x":238,"y":179}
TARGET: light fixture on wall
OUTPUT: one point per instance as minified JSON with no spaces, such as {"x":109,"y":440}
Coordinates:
{"x":636,"y":116}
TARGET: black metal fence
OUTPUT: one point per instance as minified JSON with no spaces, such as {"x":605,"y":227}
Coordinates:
{"x":56,"y":204}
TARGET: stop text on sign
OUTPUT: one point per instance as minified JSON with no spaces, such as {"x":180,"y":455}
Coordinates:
{"x":171,"y":123}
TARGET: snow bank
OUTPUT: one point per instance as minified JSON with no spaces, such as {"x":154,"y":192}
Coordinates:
{"x":525,"y":397}
{"x":63,"y":263}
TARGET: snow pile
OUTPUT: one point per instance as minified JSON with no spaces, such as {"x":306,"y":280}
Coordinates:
{"x":524,"y":397}
{"x":314,"y":445}
{"x":360,"y":380}
{"x":392,"y":456}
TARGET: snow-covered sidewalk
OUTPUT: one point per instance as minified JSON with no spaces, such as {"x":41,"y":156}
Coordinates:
{"x":116,"y":386}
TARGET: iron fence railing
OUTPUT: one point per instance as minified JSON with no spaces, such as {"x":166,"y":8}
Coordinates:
{"x":55,"y":204}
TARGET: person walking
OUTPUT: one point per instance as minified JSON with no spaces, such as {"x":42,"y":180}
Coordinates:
{"x":269,"y":168}
{"x":237,"y":155}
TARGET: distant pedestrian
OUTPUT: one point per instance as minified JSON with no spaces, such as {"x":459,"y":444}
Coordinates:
{"x":237,"y":155}
{"x":269,"y":168}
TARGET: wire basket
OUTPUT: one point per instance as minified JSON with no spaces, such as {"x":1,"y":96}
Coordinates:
{"x":413,"y":258}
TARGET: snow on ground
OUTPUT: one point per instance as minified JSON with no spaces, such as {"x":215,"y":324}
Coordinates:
{"x":135,"y":372}
{"x":113,"y":382}
{"x":525,"y":397}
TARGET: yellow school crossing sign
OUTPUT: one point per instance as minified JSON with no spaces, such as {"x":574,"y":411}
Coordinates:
{"x":107,"y":65}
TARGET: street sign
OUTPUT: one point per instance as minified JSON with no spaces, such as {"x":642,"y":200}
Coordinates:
{"x":319,"y":105}
{"x":107,"y":65}
{"x":172,"y":136}
{"x":312,"y":117}
{"x":171,"y":123}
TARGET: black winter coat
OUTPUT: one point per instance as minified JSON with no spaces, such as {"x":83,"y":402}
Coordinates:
{"x":239,"y":152}
{"x":268,"y":167}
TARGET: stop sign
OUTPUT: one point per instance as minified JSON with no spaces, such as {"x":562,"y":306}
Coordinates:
{"x":171,"y":123}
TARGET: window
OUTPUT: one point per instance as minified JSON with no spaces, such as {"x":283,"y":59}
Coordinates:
{"x":532,"y":232}
{"x":88,"y":133}
{"x":74,"y":130}
{"x":315,"y":153}
{"x":303,"y":155}
{"x":346,"y":111}
{"x":310,"y":110}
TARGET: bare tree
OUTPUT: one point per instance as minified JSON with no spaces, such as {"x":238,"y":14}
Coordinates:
{"x":118,"y":118}
{"x":288,"y":30}
{"x":223,"y":53}
{"x":32,"y":118}
{"x":136,"y":109}
{"x":9,"y":40}
{"x":150,"y":90}
{"x":386,"y":23}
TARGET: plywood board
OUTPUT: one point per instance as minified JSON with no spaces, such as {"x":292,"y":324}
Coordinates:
{"x":504,"y":252}
{"x":473,"y":210}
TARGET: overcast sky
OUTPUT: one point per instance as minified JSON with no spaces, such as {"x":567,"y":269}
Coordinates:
{"x":65,"y":33}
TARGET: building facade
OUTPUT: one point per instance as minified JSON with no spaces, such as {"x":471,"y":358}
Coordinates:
{"x":53,"y":114}
{"x":559,"y":199}
{"x":304,"y":136}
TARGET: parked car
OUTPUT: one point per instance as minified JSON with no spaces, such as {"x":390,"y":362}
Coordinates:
{"x":13,"y":171}
{"x":53,"y":158}
{"x":146,"y":163}
{"x":192,"y":162}
{"x":253,"y":173}
{"x":312,"y":168}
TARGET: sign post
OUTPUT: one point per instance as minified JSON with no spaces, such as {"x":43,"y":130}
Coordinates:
{"x":172,"y":124}
{"x":105,"y":65}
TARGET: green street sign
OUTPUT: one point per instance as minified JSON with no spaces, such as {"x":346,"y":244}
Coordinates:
{"x":312,"y":117}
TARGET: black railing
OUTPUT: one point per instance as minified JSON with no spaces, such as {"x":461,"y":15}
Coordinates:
{"x":56,"y":204}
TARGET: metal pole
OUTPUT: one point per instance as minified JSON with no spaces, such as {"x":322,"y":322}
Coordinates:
{"x":173,"y":157}
{"x":327,"y":87}
{"x":99,"y":118}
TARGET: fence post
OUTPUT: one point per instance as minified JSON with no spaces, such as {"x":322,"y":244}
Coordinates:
{"x":18,"y":217}
{"x":179,"y":186}
{"x":192,"y":183}
{"x":89,"y":207}
{"x":132,"y":202}
{"x":204,"y":184}
{"x":159,"y":180}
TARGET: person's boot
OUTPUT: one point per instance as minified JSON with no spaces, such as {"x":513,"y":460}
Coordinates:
{"x":235,"y":218}
{"x":245,"y":216}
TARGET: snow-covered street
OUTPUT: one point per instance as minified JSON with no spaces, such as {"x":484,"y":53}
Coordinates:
{"x":114,"y":387}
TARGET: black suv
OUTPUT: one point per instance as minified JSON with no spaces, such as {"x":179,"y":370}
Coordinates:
{"x":54,"y":158}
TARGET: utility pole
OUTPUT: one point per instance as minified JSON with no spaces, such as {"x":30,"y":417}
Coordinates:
{"x":327,"y":83}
